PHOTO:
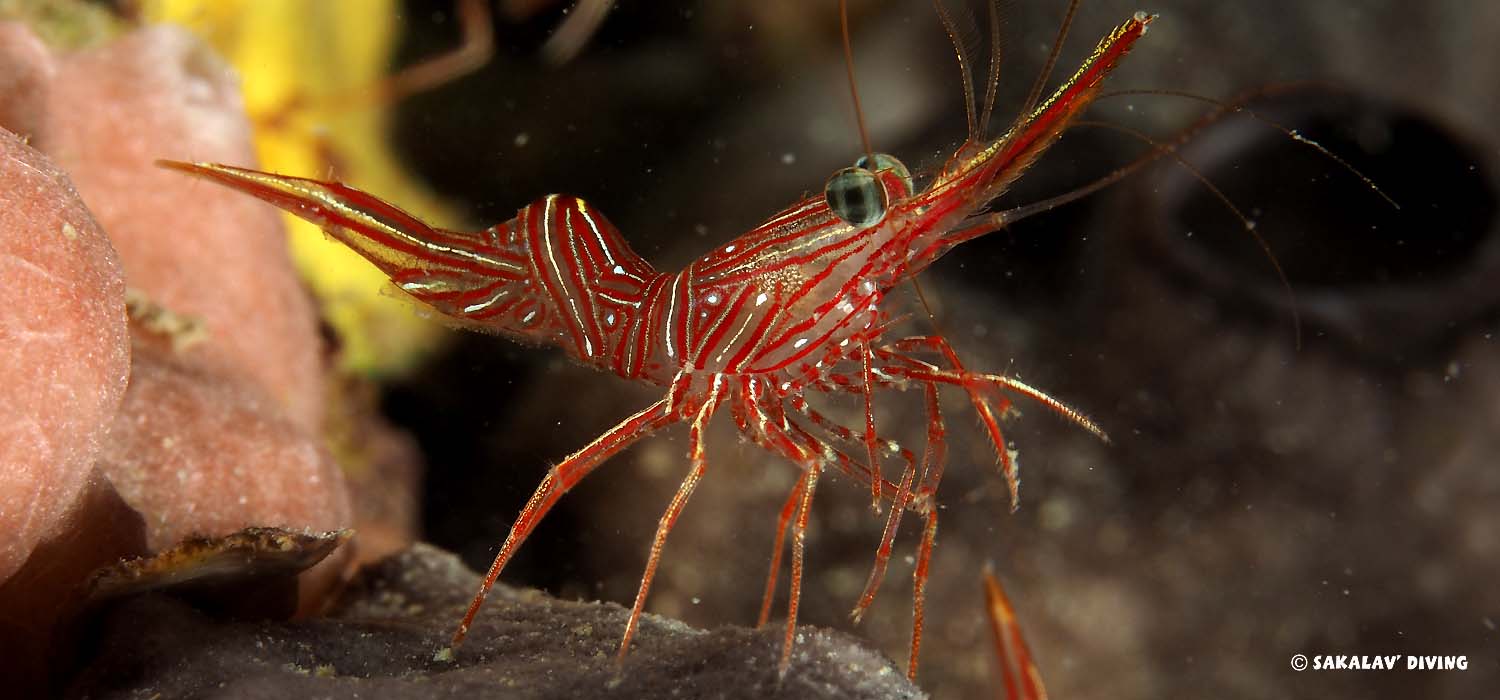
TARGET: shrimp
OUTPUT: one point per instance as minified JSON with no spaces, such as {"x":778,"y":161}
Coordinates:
{"x":792,"y":307}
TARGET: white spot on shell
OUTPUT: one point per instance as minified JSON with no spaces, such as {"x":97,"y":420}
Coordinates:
{"x":761,"y":299}
{"x":800,"y":342}
{"x":712,"y":298}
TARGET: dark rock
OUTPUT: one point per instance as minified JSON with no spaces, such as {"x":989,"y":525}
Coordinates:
{"x":380,"y":640}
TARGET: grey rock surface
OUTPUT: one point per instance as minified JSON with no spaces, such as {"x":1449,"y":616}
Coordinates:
{"x":380,"y":638}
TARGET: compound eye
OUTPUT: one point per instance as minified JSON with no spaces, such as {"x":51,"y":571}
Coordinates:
{"x":885,"y":161}
{"x":855,"y":195}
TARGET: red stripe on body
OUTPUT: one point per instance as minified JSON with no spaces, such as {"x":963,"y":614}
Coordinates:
{"x":682,"y":307}
{"x":817,"y":315}
{"x":757,"y":336}
{"x":856,"y":238}
{"x":645,"y":323}
{"x":715,"y":334}
{"x":717,"y":264}
{"x":498,"y":309}
{"x":555,"y":291}
{"x":583,"y":296}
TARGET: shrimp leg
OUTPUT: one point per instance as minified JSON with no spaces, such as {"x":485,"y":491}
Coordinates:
{"x":674,"y":510}
{"x":557,"y":482}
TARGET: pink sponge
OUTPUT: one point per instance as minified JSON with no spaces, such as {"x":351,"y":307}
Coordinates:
{"x":203,"y":454}
{"x":211,"y":437}
{"x":65,"y":350}
{"x":191,"y":247}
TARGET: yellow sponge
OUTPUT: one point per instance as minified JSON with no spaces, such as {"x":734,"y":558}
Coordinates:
{"x":304,"y":66}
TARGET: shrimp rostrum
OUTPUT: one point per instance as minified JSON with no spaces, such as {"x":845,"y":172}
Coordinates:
{"x":792,"y":307}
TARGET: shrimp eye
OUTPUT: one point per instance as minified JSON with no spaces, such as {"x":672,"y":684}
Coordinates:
{"x":856,"y":196}
{"x":885,"y":161}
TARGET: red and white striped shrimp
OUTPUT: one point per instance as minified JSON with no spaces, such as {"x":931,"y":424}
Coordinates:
{"x":792,"y":307}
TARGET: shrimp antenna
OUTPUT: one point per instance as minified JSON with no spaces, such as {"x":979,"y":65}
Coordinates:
{"x":1041,"y":78}
{"x":1238,"y":108}
{"x":992,"y":79}
{"x":974,"y":134}
{"x":1171,"y":150}
{"x":859,"y":112}
{"x":963,"y":66}
{"x":1224,"y":108}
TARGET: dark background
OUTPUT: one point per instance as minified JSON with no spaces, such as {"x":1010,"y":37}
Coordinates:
{"x":1260,"y":499}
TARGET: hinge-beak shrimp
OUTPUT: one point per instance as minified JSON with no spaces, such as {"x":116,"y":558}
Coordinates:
{"x":792,"y":307}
